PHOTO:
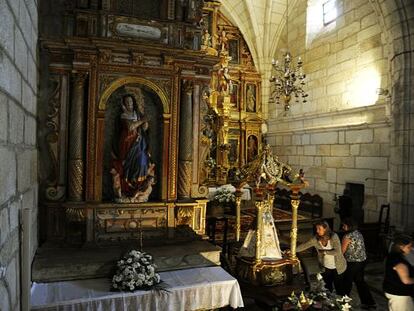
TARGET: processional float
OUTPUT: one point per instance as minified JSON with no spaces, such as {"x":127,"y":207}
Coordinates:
{"x":260,"y":260}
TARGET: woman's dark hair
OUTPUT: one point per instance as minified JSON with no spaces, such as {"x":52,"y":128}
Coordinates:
{"x":400,"y":240}
{"x":325,"y":225}
{"x":350,"y":223}
{"x":124,"y":97}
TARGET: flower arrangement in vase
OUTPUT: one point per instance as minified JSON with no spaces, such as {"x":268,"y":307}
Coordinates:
{"x":135,"y":270}
{"x":224,"y":199}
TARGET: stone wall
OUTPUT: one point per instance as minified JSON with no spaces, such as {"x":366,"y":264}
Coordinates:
{"x":18,"y":154}
{"x":342,"y":134}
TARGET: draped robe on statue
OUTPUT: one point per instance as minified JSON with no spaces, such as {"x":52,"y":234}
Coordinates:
{"x":133,"y":160}
{"x":270,"y":248}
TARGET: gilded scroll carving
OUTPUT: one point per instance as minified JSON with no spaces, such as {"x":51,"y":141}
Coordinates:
{"x":55,"y":189}
{"x":164,"y":84}
{"x":185,"y":215}
{"x":105,"y":81}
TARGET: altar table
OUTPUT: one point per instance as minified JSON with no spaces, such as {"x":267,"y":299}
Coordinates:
{"x":191,"y":289}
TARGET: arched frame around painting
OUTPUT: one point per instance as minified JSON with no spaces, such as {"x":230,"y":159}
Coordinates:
{"x":168,"y":145}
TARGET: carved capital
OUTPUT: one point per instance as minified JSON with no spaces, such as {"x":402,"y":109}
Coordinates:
{"x":79,"y":79}
{"x":188,"y":87}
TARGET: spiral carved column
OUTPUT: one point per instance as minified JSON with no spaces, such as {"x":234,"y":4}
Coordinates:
{"x":76,"y":139}
{"x":185,"y":157}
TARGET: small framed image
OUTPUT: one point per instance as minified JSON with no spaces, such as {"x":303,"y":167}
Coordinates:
{"x":234,"y":51}
{"x":250,"y":98}
{"x":233,"y":155}
{"x":234,"y":94}
{"x":252,"y":148}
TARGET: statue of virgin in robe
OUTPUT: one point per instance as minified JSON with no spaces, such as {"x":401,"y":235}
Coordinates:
{"x":133,"y":157}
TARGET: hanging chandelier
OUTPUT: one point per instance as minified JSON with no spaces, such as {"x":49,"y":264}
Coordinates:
{"x":288,"y":80}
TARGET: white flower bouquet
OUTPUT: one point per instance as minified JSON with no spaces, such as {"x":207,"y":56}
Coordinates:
{"x":135,"y":270}
{"x":224,"y":195}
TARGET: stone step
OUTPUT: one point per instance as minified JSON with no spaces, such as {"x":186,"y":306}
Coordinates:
{"x":58,"y":264}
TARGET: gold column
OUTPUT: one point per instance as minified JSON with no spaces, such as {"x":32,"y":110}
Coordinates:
{"x":294,"y":231}
{"x":76,"y":139}
{"x":238,"y":207}
{"x":259,"y":206}
{"x":271,"y":197}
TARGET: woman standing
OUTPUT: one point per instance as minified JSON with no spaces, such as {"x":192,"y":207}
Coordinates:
{"x":399,"y":276}
{"x":353,"y":248}
{"x":330,"y":256}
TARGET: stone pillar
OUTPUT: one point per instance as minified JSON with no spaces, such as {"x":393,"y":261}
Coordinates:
{"x":185,"y":156}
{"x":402,"y":142}
{"x":76,"y":139}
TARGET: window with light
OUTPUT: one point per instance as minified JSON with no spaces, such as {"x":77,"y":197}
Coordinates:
{"x":329,"y":12}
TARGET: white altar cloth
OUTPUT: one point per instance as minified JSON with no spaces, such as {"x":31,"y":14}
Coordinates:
{"x":192,"y":289}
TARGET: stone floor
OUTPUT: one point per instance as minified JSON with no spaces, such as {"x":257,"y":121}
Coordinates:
{"x":374,"y":277}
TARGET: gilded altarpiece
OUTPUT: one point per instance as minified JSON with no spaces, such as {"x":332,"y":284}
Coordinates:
{"x":93,"y":79}
{"x":234,"y":110}
{"x":94,"y":76}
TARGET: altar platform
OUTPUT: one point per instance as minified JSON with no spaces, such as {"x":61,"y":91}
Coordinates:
{"x":191,"y":289}
{"x":53,"y":263}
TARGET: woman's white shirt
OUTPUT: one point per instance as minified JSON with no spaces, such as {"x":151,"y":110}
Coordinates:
{"x":328,"y":260}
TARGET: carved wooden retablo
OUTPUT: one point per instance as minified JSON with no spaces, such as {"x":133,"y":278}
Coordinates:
{"x":128,"y":84}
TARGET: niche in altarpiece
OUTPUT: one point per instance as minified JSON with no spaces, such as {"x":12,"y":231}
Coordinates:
{"x":132,"y":159}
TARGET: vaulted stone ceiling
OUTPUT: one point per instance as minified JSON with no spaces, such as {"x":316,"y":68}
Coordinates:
{"x":262,"y":23}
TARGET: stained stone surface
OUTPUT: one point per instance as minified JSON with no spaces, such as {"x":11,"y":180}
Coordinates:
{"x":53,"y":264}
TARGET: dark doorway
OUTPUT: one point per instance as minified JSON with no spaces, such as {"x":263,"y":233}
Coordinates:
{"x":356,"y":192}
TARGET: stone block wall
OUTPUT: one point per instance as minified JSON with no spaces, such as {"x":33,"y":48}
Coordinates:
{"x":18,"y":153}
{"x":342,"y":134}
